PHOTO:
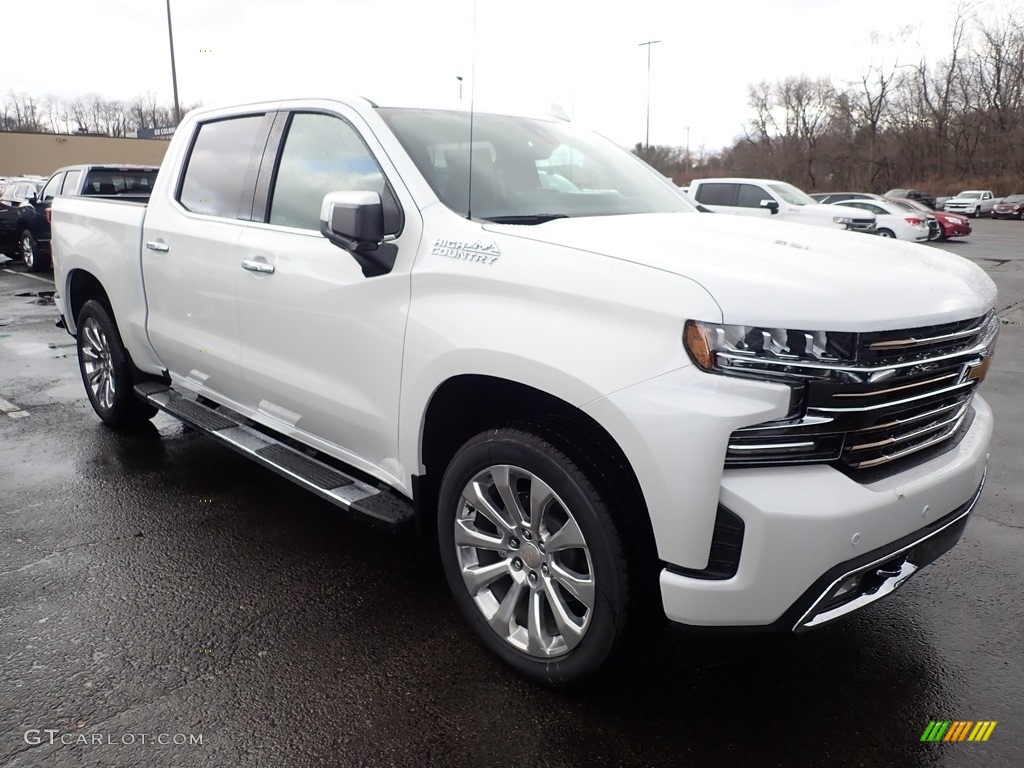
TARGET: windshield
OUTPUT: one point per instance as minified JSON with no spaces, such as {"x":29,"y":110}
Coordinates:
{"x":792,"y":195}
{"x":525,"y":170}
{"x":970,"y":195}
{"x":1014,"y":199}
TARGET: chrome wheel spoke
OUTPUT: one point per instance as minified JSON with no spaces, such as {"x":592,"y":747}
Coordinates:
{"x":501,"y":621}
{"x":479,"y":576}
{"x":579,"y":586}
{"x":468,"y":536}
{"x":572,"y":632}
{"x":513,"y":509}
{"x":476,"y":496}
{"x":541,"y":496}
{"x":535,"y":643}
{"x":569,"y":536}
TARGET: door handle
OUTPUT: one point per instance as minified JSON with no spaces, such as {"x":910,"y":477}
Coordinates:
{"x":156,"y":245}
{"x":258,"y":266}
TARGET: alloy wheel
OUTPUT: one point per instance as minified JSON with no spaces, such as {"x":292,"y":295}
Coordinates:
{"x":524,"y":561}
{"x":28,"y":253}
{"x":96,"y":362}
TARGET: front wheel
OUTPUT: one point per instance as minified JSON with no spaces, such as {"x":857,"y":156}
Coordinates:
{"x":34,"y":261}
{"x":885,"y":233}
{"x":534,"y":559}
{"x":107,"y":370}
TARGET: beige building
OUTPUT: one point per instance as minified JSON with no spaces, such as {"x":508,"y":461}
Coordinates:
{"x":40,"y":154}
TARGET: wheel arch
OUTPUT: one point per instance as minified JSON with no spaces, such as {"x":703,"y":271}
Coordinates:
{"x":467,"y":404}
{"x":83,"y":286}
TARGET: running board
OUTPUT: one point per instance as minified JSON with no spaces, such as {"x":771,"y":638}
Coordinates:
{"x":382,"y":509}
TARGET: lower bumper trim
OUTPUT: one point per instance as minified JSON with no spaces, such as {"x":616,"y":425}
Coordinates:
{"x":861,"y":584}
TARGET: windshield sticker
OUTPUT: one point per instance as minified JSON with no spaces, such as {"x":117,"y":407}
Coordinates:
{"x":484,"y":253}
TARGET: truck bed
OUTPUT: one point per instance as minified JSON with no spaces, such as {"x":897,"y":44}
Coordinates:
{"x":104,"y":237}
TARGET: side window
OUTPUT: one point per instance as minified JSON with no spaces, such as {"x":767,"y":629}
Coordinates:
{"x":750,"y":196}
{"x":217,"y":178}
{"x":716,"y":194}
{"x":322,"y":154}
{"x":52,"y":188}
{"x":71,"y":182}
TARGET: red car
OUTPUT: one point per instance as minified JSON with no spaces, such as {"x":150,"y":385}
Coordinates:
{"x":1011,"y":207}
{"x":950,"y":224}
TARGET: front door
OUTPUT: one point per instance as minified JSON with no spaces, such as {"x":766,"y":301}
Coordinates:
{"x":321,"y":345}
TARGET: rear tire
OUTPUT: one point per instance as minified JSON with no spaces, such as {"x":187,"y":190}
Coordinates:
{"x":34,"y":260}
{"x":885,"y":233}
{"x":537,"y":565}
{"x":107,"y":372}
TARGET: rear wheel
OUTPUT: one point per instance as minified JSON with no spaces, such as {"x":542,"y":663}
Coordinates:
{"x":885,"y":233}
{"x":106,"y":369}
{"x":34,"y":261}
{"x":534,"y":558}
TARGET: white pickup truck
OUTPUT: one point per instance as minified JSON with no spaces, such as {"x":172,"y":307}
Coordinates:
{"x":606,"y":406}
{"x":766,"y":198}
{"x":972,"y":202}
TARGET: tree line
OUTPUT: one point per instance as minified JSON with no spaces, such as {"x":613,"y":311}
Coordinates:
{"x":89,"y":114}
{"x":941,"y":126}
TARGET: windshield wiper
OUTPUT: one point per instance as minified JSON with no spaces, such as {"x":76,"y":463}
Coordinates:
{"x":531,"y":218}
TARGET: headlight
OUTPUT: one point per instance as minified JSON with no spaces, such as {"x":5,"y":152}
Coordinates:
{"x":777,"y":353}
{"x":842,"y":220}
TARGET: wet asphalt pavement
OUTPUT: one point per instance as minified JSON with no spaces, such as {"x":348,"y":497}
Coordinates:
{"x":158,"y":587}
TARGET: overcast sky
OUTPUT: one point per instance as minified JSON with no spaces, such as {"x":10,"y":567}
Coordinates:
{"x":582,"y":54}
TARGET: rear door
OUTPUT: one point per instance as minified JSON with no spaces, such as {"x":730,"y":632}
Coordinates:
{"x":321,"y":345}
{"x":190,"y":256}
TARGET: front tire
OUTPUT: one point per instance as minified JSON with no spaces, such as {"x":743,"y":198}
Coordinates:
{"x":34,"y":261}
{"x":534,"y":559}
{"x":106,"y":370}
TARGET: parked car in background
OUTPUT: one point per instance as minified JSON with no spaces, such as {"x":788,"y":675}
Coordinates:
{"x":1010,"y":207}
{"x":31,"y":228}
{"x":766,"y":198}
{"x":972,"y":202}
{"x":913,"y":194}
{"x":13,"y":199}
{"x":949,"y":224}
{"x":892,"y":220}
{"x":837,"y":198}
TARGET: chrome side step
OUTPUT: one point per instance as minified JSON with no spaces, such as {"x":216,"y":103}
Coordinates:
{"x":383,"y":509}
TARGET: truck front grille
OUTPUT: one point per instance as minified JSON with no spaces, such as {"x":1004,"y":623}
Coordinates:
{"x":907,"y":391}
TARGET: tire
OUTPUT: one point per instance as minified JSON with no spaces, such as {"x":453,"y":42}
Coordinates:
{"x":977,"y":213}
{"x":885,"y":233}
{"x":107,"y":372}
{"x":556,"y":616}
{"x":34,"y":260}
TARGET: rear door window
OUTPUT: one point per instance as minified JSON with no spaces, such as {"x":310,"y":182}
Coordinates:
{"x":716,"y":193}
{"x":71,"y":183}
{"x":220,"y":175}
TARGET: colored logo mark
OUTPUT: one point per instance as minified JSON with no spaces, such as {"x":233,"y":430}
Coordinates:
{"x":958,"y":730}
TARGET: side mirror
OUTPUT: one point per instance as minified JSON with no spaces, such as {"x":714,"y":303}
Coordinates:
{"x":355,"y":221}
{"x":771,"y":205}
{"x":31,"y":200}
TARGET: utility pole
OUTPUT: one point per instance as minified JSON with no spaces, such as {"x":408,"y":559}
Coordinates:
{"x":649,"y":43}
{"x":174,"y":73}
{"x":687,"y":146}
{"x":459,"y":78}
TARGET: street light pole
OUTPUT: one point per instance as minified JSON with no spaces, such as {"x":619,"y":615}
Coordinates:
{"x":174,"y":73}
{"x":459,"y":78}
{"x":649,"y":43}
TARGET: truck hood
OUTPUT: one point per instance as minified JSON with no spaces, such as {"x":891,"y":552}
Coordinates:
{"x":778,"y":274}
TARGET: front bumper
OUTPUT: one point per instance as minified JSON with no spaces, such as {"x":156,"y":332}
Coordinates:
{"x":808,"y":529}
